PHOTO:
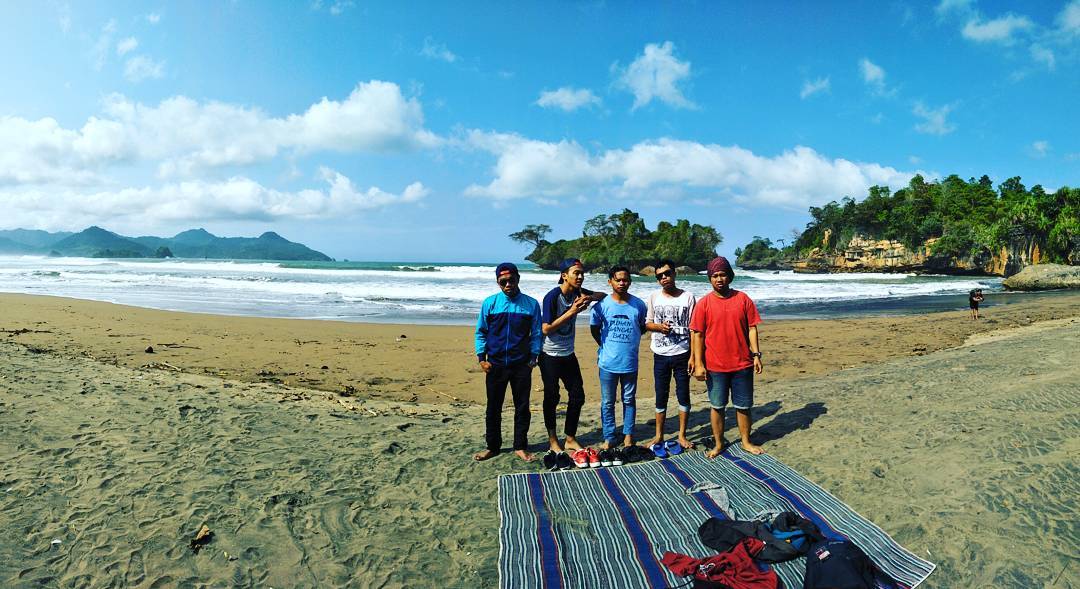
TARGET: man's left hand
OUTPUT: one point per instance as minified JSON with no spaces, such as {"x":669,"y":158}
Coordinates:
{"x":758,"y":366}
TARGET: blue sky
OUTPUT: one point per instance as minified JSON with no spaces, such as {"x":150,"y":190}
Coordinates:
{"x":372,"y":132}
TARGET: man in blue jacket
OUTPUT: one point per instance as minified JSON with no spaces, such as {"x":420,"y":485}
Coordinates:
{"x":508,"y":342}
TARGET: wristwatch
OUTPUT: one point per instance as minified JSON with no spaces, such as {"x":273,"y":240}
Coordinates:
{"x":755,"y":354}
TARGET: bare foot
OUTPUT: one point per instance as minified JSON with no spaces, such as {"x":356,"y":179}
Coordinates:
{"x":752,"y":448}
{"x":522,"y":454}
{"x":685,"y":443}
{"x":571,"y":443}
{"x":606,"y":446}
{"x":653,"y":442}
{"x":555,"y":447}
{"x":714,"y":452}
{"x":484,"y":455}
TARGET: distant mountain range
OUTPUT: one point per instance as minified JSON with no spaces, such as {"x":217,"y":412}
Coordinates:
{"x":95,"y":242}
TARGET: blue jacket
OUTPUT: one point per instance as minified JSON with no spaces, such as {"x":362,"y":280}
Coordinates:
{"x":508,"y":330}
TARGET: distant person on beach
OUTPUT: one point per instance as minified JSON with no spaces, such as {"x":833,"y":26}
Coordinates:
{"x":974,"y":298}
{"x":668,"y":317}
{"x":508,"y":341}
{"x":726,"y":352}
{"x":617,"y":324}
{"x":559,"y":313}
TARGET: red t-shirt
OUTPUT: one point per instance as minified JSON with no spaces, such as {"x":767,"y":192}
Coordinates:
{"x":726,"y":323}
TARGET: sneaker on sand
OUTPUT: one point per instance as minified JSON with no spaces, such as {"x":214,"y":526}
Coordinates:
{"x":605,"y":457}
{"x":617,"y":457}
{"x":581,"y":458}
{"x":563,"y":461}
{"x":594,"y":458}
{"x":551,"y":461}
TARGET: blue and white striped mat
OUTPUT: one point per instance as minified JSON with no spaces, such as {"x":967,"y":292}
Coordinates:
{"x":609,"y":527}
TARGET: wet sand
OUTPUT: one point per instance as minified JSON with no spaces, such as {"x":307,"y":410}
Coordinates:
{"x":436,"y":364}
{"x":965,"y":454}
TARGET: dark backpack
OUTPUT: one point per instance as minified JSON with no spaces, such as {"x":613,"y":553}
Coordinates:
{"x":721,"y":535}
{"x":796,"y":530}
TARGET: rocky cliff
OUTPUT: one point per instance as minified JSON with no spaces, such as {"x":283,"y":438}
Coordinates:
{"x":863,"y":254}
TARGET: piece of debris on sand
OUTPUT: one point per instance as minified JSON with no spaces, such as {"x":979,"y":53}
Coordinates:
{"x":202,"y":538}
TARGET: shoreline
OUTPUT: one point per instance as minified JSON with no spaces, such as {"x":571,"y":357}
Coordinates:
{"x":436,"y":363}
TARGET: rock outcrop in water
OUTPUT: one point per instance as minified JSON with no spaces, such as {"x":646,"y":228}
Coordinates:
{"x":1044,"y":277}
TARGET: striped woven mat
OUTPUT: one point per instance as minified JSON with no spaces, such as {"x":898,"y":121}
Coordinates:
{"x":609,"y":527}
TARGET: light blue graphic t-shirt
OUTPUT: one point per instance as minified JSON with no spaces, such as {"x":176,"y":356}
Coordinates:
{"x":621,"y":326}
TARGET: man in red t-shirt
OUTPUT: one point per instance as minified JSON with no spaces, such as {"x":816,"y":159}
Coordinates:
{"x":724,"y":342}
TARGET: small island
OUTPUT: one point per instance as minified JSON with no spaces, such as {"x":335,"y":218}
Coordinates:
{"x":95,"y":242}
{"x":623,"y":239}
{"x":948,"y":227}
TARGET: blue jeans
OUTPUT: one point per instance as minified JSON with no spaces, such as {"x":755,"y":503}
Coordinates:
{"x":739,"y":383}
{"x":609,"y":382}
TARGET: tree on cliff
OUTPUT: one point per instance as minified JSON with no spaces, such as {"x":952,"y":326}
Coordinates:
{"x":968,"y":218}
{"x":623,"y":238}
{"x":533,"y":234}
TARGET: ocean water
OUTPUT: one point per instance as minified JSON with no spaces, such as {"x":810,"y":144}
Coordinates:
{"x":437,"y":293}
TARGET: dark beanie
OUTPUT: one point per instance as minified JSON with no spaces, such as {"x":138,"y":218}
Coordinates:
{"x":505,"y":268}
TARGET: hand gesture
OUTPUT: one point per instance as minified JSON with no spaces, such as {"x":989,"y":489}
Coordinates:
{"x":581,"y":303}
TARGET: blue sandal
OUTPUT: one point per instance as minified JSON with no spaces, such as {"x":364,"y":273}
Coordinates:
{"x":660,"y":449}
{"x":673,"y":447}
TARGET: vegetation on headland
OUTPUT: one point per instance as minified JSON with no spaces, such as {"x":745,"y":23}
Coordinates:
{"x":967,"y":219}
{"x":95,"y":242}
{"x":760,"y":253}
{"x":623,"y":239}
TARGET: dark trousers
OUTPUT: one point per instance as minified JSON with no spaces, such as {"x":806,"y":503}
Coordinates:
{"x":519,"y":377}
{"x":664,"y":367}
{"x":564,"y":368}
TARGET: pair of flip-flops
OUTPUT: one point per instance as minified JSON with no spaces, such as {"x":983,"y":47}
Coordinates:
{"x":668,"y":448}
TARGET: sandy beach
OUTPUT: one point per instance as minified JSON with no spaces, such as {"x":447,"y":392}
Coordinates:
{"x":959,"y":438}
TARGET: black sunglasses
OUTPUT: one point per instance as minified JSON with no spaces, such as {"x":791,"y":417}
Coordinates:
{"x":665,"y":274}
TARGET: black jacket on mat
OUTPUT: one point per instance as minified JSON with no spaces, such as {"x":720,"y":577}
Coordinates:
{"x":721,"y":535}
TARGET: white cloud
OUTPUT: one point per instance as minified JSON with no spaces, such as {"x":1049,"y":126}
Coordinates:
{"x":1040,"y":148}
{"x":568,"y":99}
{"x":126,"y":46}
{"x":153,"y":18}
{"x":933,"y":119}
{"x":812,"y":87}
{"x":793,"y":179}
{"x":1000,"y":30}
{"x":100,"y":51}
{"x":341,"y":6}
{"x":439,"y":51}
{"x":873,"y":75}
{"x":182,"y":135}
{"x":946,"y":7}
{"x":141,"y":67}
{"x":656,"y":73}
{"x":1069,"y":19}
{"x":1044,"y":56}
{"x":237,"y":198}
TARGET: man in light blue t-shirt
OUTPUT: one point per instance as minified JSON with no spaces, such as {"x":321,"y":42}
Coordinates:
{"x":617,"y":324}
